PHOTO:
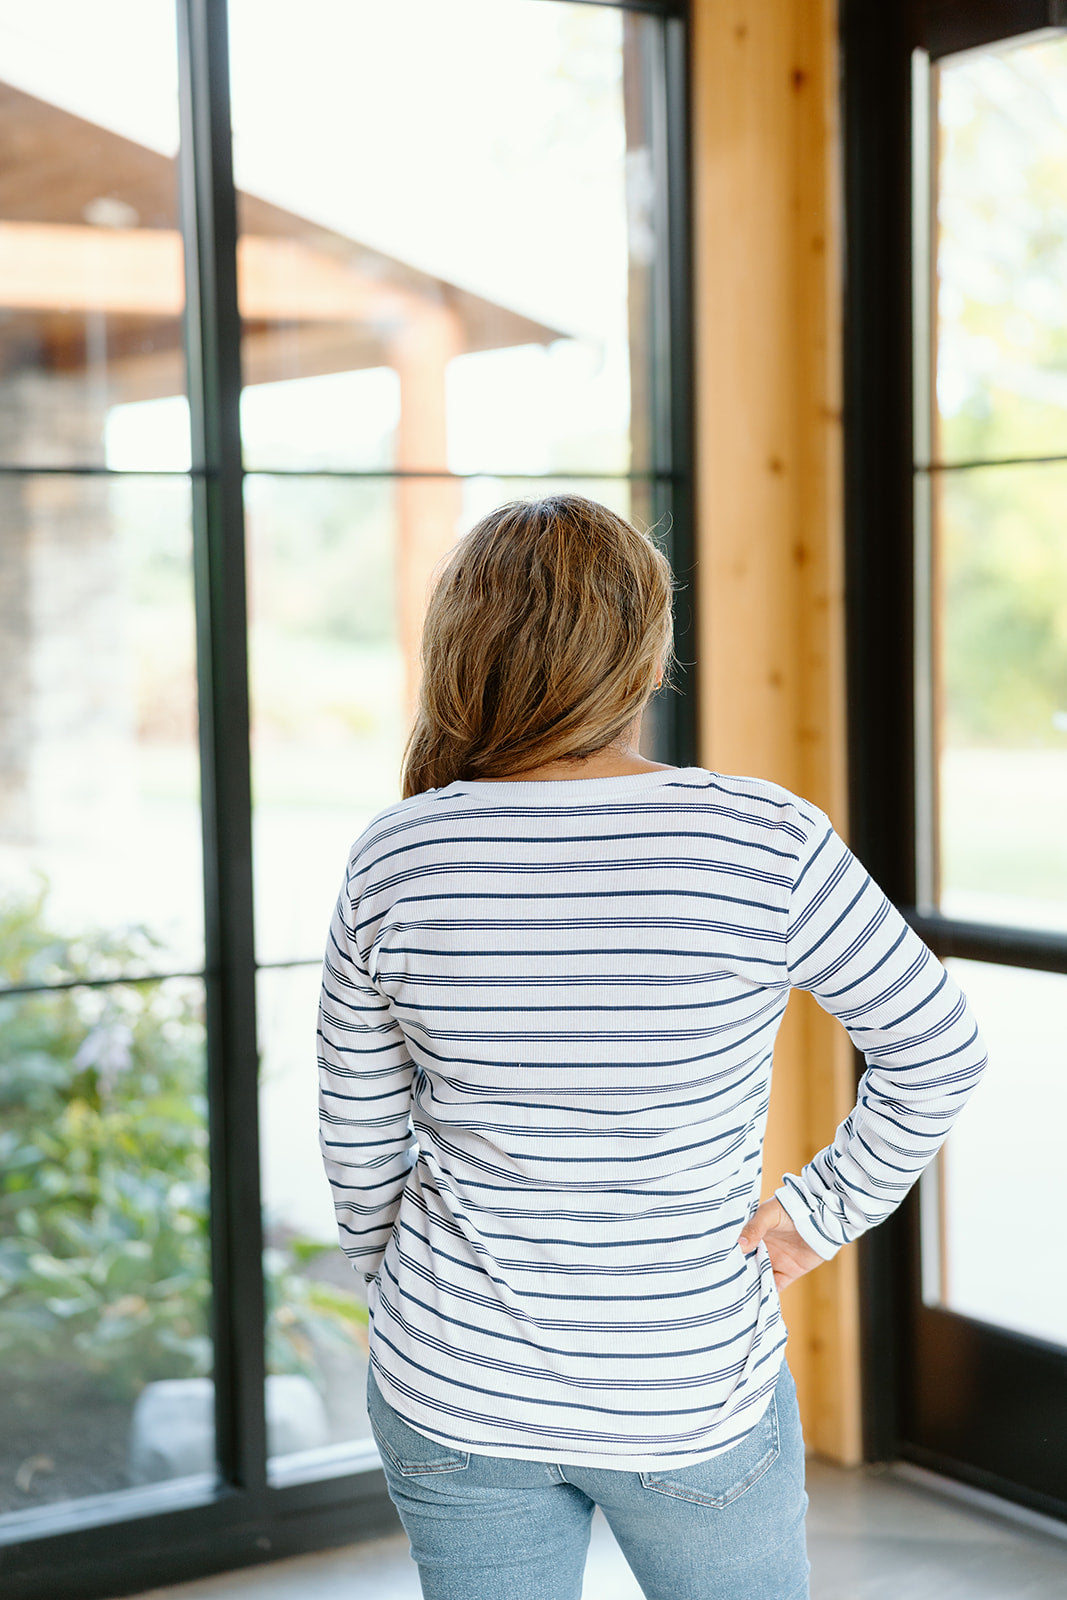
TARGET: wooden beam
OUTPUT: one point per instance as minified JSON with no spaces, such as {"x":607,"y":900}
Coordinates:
{"x":52,"y":266}
{"x":284,"y":280}
{"x":770,"y":539}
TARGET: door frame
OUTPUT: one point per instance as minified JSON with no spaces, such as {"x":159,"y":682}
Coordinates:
{"x":961,"y":1397}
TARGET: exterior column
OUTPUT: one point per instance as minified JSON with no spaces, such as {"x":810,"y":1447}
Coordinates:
{"x":427,"y":509}
{"x":66,"y":711}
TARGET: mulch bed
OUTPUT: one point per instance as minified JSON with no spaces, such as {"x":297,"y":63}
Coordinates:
{"x":61,"y":1437}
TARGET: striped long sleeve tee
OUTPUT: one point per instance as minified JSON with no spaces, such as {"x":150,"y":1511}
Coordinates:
{"x":546,"y":1032}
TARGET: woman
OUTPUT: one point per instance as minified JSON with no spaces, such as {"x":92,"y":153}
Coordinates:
{"x":551,"y":992}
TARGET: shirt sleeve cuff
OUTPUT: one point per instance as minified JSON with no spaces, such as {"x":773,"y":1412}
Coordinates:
{"x":800,"y":1216}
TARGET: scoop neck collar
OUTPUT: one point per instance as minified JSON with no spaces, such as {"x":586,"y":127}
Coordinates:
{"x":533,"y":791}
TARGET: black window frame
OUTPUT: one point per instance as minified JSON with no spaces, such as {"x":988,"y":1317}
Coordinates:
{"x":903,"y":1394}
{"x":135,"y":1540}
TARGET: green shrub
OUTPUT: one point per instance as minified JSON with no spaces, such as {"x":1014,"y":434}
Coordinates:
{"x":104,"y":1260}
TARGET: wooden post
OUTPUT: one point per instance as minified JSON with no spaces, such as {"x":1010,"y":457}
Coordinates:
{"x":427,"y":509}
{"x":770,"y":551}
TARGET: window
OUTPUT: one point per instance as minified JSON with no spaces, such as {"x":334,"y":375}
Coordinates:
{"x":252,"y":389}
{"x":991,"y":500}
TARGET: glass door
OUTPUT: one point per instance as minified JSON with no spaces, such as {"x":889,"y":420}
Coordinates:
{"x":987,"y":1357}
{"x":433,"y":322}
{"x":105,"y":1281}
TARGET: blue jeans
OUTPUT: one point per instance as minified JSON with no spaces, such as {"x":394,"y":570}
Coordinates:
{"x":493,"y":1528}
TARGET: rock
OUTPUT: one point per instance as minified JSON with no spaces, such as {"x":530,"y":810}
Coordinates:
{"x":296,"y":1416}
{"x":172,"y":1431}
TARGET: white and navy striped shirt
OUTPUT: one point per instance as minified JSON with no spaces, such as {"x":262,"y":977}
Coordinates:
{"x":547,"y":1021}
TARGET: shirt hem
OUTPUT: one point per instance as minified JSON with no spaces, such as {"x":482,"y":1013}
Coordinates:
{"x":564,"y":1454}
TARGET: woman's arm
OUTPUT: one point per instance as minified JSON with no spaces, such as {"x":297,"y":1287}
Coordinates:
{"x":365,"y":1074}
{"x":856,"y":954}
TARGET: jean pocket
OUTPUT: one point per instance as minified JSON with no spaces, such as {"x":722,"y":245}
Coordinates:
{"x":726,"y":1477}
{"x":402,"y":1446}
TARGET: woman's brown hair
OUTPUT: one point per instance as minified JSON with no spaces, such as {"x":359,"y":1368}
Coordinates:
{"x":540,"y":643}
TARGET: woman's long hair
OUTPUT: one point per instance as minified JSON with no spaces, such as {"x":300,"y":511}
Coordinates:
{"x":540,"y":642}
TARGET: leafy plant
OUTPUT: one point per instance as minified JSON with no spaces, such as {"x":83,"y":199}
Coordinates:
{"x":304,"y":1313}
{"x":104,"y":1260}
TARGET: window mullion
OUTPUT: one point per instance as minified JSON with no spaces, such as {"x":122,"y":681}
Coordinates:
{"x":213,"y":354}
{"x":677,"y":320}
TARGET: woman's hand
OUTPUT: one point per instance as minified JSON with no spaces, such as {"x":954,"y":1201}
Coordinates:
{"x":790,"y":1256}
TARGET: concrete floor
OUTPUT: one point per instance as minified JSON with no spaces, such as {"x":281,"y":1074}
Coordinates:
{"x":873,"y":1534}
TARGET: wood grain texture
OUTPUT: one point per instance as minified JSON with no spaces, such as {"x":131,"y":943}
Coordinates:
{"x":770,"y":583}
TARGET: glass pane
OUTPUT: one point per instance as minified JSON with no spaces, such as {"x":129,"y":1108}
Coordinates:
{"x":91,"y":275}
{"x":1002,"y":253}
{"x":317,"y":1310}
{"x":99,"y":774}
{"x":338,"y":573}
{"x":104,"y":1282}
{"x":988,"y":1204}
{"x":1001,"y":705}
{"x":419,"y":292}
{"x":327,"y":692}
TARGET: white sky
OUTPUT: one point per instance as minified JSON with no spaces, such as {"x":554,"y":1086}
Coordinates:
{"x":455,"y":136}
{"x":480,"y":140}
